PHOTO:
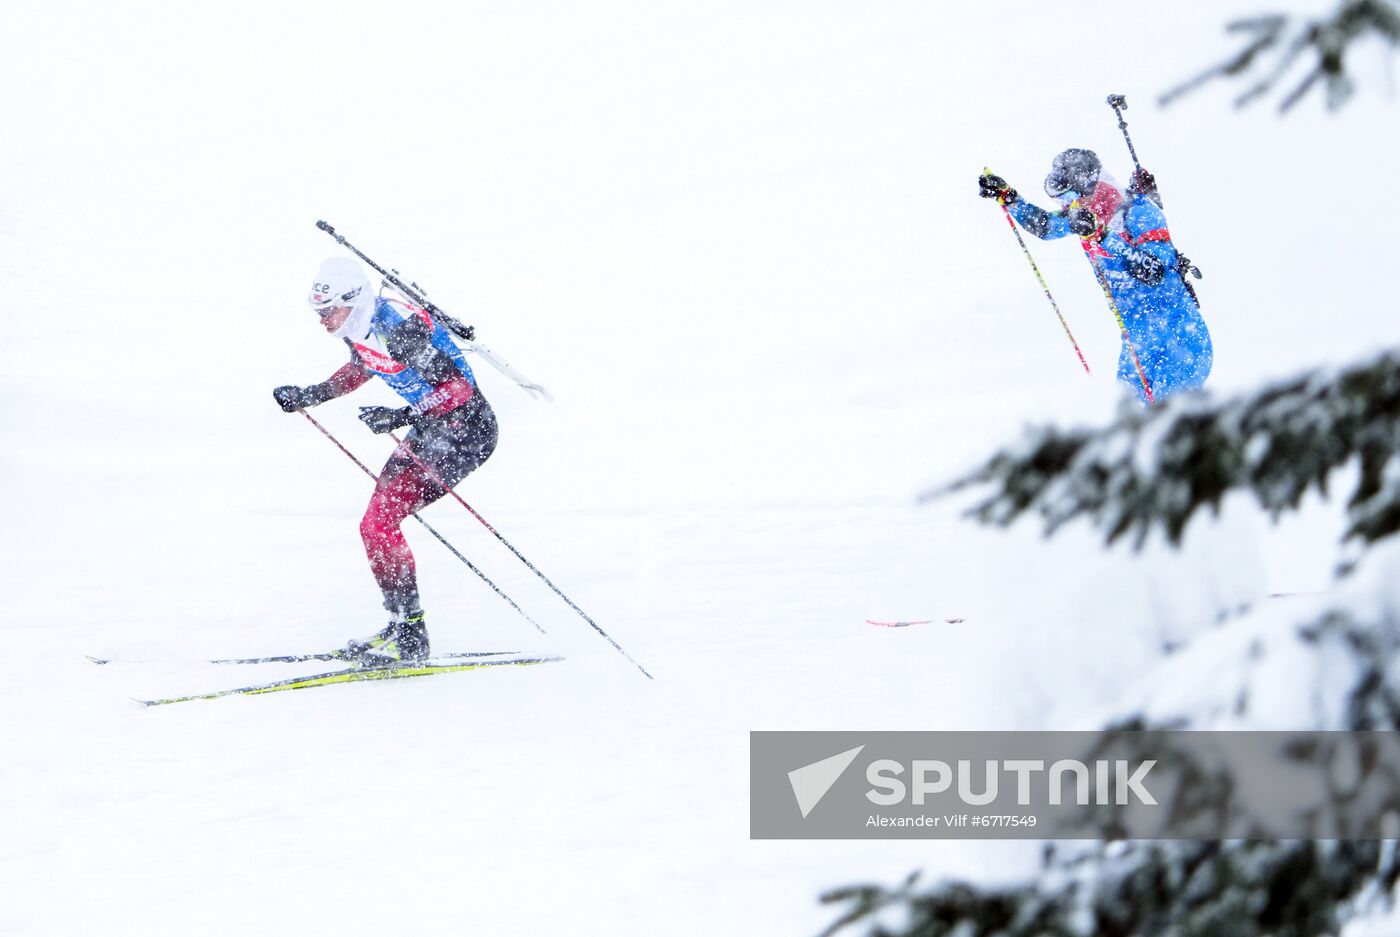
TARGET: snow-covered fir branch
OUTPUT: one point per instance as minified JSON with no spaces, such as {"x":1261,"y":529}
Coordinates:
{"x":1206,"y":888}
{"x":1334,"y":668}
{"x":1322,"y":42}
{"x":1250,"y":887}
{"x":1157,"y":467}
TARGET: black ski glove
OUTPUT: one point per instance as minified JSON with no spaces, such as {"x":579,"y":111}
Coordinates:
{"x":1143,"y":181}
{"x":384,"y":419}
{"x":292,"y":398}
{"x":990,"y":186}
{"x":1082,"y":223}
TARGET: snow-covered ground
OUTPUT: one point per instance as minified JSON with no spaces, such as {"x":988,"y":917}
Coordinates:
{"x":741,"y":244}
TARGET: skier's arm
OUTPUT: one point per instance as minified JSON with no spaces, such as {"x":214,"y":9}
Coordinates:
{"x":1034,"y":219}
{"x":1038,"y":221}
{"x":411,"y":342}
{"x":350,"y":376}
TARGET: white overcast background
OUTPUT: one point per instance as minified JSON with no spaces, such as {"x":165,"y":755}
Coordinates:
{"x":741,"y":244}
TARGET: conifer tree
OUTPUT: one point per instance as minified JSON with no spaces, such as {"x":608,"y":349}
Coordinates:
{"x":1155,"y":469}
{"x":1277,"y":43}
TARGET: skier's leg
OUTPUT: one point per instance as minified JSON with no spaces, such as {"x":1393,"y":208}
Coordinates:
{"x":418,"y":473}
{"x":1128,"y":374}
{"x":1188,"y":342}
{"x":403,"y":489}
{"x":1203,"y":354}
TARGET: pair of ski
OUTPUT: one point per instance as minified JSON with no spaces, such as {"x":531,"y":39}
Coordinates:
{"x":359,"y":672}
{"x":906,"y":624}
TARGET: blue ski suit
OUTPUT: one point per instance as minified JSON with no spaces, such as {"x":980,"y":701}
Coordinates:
{"x":1135,"y":252}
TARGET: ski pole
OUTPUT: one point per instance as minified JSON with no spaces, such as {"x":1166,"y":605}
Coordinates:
{"x":1184,"y":265}
{"x":1108,"y":294}
{"x":414,"y":292}
{"x":1036,"y":269}
{"x":1120,"y":104}
{"x":534,"y":569}
{"x":441,"y":539}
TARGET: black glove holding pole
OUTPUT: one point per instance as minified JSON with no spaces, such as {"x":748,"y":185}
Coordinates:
{"x":990,"y":186}
{"x":292,"y":398}
{"x":385,"y":419}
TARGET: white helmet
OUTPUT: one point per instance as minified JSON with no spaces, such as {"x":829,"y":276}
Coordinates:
{"x":339,"y":282}
{"x":342,"y":282}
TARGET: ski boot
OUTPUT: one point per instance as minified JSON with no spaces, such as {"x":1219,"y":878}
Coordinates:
{"x":403,"y":640}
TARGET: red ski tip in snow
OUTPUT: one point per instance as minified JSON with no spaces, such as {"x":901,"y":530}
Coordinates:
{"x":906,"y":624}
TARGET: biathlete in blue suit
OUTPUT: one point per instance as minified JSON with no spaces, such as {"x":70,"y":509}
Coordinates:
{"x":1125,"y":234}
{"x":453,"y":432}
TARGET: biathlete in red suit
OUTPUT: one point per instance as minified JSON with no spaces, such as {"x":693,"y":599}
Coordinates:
{"x":453,"y":432}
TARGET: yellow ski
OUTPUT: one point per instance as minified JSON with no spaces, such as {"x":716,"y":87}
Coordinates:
{"x":355,"y":675}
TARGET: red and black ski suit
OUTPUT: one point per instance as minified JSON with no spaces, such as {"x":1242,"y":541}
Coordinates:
{"x":453,"y":432}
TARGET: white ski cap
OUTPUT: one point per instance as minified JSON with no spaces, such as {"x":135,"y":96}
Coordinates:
{"x":342,"y":282}
{"x":339,"y":282}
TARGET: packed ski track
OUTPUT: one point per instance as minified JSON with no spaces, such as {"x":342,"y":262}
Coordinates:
{"x":742,"y":247}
